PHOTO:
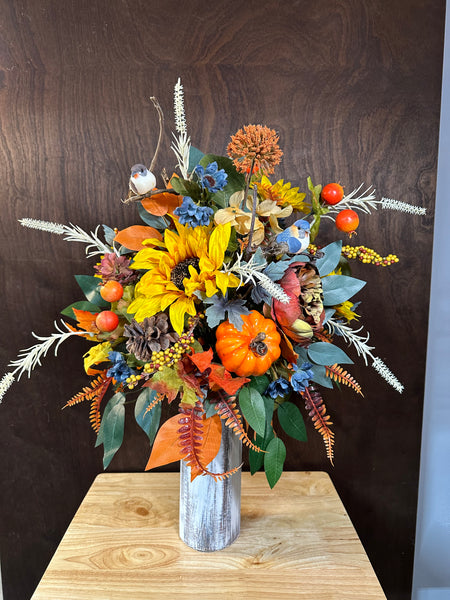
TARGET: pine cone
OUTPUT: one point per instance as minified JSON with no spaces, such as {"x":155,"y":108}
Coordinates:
{"x":152,"y":335}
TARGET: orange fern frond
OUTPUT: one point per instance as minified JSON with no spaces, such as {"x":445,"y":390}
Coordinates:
{"x":94,"y":393}
{"x":317,"y":411}
{"x":158,"y":398}
{"x":337,"y":373}
{"x":190,"y":436}
{"x":227,"y":411}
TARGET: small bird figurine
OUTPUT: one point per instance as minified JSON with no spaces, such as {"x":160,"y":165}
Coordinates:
{"x":142,"y":180}
{"x":296,"y":236}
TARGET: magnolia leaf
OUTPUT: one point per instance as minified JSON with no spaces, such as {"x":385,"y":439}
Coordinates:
{"x":330,"y":259}
{"x":323,"y":353}
{"x":274,"y":460}
{"x":256,"y":459}
{"x":291,"y":421}
{"x":148,"y":420}
{"x":339,"y":288}
{"x":112,"y":427}
{"x":91,"y":289}
{"x":151,"y":220}
{"x":82,"y":305}
{"x":132,"y":237}
{"x":259,"y":383}
{"x":253,"y":409}
{"x":320,"y":376}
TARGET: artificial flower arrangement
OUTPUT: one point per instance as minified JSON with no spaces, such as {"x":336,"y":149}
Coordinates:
{"x":225,"y":303}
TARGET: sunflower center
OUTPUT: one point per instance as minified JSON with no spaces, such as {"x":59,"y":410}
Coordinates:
{"x":181,"y":270}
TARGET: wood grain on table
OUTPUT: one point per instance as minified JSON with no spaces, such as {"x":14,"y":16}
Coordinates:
{"x":296,"y":541}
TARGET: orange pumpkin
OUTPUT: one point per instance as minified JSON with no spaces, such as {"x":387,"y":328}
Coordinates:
{"x":250,"y":351}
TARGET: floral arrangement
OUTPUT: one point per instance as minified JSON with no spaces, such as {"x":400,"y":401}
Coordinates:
{"x":225,"y":303}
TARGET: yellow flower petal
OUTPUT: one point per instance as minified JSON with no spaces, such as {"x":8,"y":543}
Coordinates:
{"x":96,"y":354}
{"x":177,"y":311}
{"x":218,"y":243}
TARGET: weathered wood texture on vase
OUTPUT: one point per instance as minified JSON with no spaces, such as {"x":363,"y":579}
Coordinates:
{"x":296,"y":542}
{"x":353,"y":88}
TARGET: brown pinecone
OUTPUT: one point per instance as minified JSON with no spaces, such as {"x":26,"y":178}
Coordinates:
{"x":152,"y":335}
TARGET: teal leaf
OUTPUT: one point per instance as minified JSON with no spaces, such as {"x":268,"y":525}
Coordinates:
{"x":329,"y":312}
{"x":112,"y":427}
{"x":253,"y":409}
{"x":259,"y":383}
{"x":90,"y":287}
{"x":331,"y":258}
{"x":339,"y":288}
{"x":274,"y":460}
{"x":195,"y":156}
{"x":81,"y":305}
{"x":291,"y":421}
{"x":159,"y":223}
{"x":320,"y":376}
{"x":148,"y":421}
{"x":323,"y":353}
{"x":221,"y":307}
{"x":109,"y":234}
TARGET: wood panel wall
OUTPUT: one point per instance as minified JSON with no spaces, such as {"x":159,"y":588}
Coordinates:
{"x":352,"y":87}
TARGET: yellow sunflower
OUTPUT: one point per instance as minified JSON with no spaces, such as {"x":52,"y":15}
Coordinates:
{"x":283,"y":194}
{"x":190,"y":260}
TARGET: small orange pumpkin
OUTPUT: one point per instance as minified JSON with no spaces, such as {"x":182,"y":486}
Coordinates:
{"x":252,"y":350}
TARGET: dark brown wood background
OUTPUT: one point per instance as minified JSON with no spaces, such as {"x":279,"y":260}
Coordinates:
{"x":352,"y":87}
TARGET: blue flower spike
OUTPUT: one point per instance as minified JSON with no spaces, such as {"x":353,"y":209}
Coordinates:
{"x":212,"y":178}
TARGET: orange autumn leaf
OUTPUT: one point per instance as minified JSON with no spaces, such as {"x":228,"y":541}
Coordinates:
{"x":202,"y":360}
{"x":222,"y":378}
{"x":166,"y":448}
{"x":86,"y":320}
{"x":163,"y":203}
{"x":132,"y":237}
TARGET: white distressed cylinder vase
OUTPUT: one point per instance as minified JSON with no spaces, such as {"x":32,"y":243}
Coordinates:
{"x":210,"y":511}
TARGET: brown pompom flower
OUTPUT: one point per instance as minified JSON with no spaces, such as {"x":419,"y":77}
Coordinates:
{"x":255,"y":144}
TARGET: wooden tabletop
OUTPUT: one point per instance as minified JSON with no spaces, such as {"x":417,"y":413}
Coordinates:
{"x":296,"y":541}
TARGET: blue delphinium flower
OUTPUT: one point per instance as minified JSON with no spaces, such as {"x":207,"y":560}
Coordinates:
{"x":279,"y":387}
{"x":212,"y":178}
{"x":191,"y":214}
{"x":120,"y":370}
{"x":301,"y":377}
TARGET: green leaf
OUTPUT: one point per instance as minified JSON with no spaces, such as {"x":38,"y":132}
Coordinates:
{"x":274,"y":460}
{"x":324,"y":353}
{"x":253,"y":409}
{"x":256,"y":459}
{"x":82,"y":305}
{"x":330,"y":259}
{"x":112,"y":428}
{"x":159,"y":223}
{"x":195,"y":156}
{"x":148,"y":421}
{"x":91,"y":289}
{"x":259,"y":383}
{"x":186,"y":187}
{"x":291,"y":421}
{"x":339,"y":288}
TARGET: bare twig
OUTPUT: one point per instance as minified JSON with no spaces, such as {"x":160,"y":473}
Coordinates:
{"x":161,"y":128}
{"x":149,"y":194}
{"x":252,"y":223}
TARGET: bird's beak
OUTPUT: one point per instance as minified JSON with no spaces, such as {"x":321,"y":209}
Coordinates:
{"x":136,"y":175}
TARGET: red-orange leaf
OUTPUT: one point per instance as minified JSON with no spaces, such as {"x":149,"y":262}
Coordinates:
{"x":222,"y":378}
{"x":165,"y":448}
{"x":161,"y":204}
{"x":86,"y":320}
{"x":132,"y":237}
{"x":202,"y":360}
{"x":212,"y":437}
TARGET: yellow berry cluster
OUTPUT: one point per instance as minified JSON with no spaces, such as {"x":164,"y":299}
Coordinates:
{"x":368,"y":256}
{"x":163,"y":358}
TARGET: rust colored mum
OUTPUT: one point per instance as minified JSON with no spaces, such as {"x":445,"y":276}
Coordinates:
{"x":257,"y":145}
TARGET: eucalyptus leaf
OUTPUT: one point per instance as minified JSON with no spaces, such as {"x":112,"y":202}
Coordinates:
{"x":274,"y":460}
{"x":159,"y":223}
{"x":259,"y":383}
{"x":109,"y":234}
{"x":81,"y":305}
{"x":256,"y":459}
{"x":323,"y":353}
{"x":253,"y":409}
{"x":112,"y":428}
{"x":90,"y":287}
{"x":320,"y":376}
{"x":291,"y":421}
{"x":195,"y":156}
{"x":330,"y":259}
{"x":339,"y":288}
{"x":148,"y":421}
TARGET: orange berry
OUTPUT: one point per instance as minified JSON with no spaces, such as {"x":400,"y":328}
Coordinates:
{"x":347,"y":220}
{"x":332,"y":193}
{"x":111,"y":291}
{"x":107,"y":320}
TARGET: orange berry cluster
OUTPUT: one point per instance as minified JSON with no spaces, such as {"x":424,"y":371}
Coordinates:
{"x":368,"y":256}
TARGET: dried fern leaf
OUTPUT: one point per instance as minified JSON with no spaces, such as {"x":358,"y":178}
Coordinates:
{"x":317,"y":411}
{"x":190,"y":438}
{"x":95,"y":394}
{"x":227,"y":411}
{"x":337,"y":373}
